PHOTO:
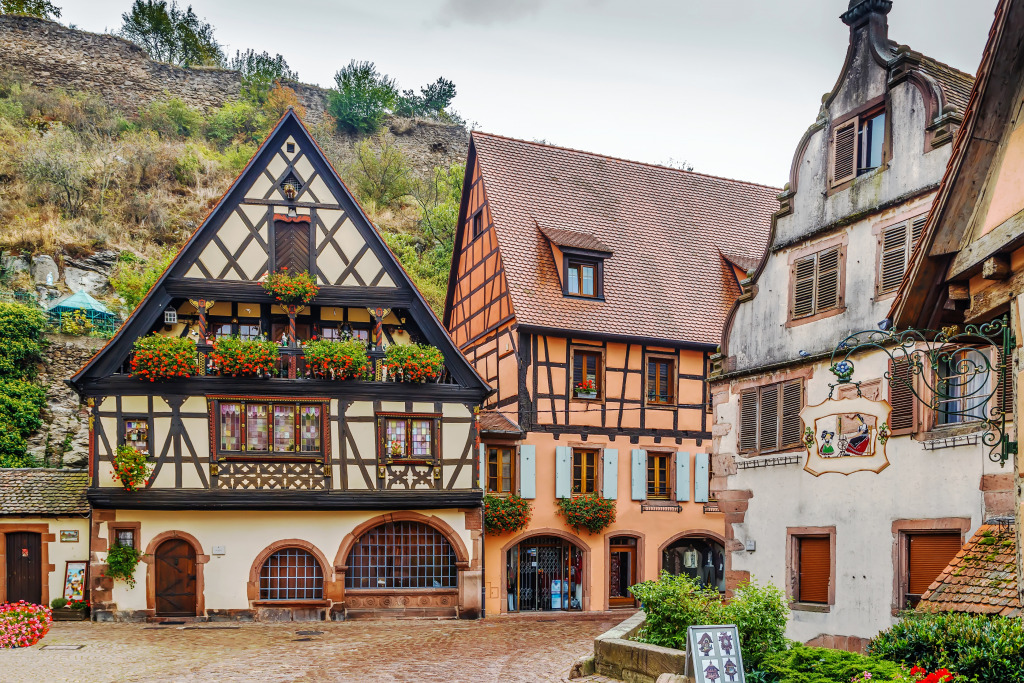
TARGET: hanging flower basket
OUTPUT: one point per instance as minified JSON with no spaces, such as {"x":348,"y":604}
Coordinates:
{"x":158,"y":358}
{"x":336,"y":359}
{"x":413,"y":363}
{"x":291,"y":289}
{"x":131,"y":467}
{"x":121,"y":563}
{"x":591,"y":512}
{"x":236,"y":357}
{"x":505,"y":514}
{"x":23,"y":624}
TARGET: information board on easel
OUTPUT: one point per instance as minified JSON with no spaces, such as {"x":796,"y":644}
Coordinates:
{"x":713,"y":654}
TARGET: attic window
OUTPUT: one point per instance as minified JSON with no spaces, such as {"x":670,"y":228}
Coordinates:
{"x":290,"y":186}
{"x":478,"y":223}
{"x":858,"y":145}
{"x":170,"y":316}
{"x":583,"y":277}
{"x":290,"y":147}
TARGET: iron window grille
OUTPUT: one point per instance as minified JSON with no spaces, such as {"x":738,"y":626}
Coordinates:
{"x":401,"y":555}
{"x":291,"y":574}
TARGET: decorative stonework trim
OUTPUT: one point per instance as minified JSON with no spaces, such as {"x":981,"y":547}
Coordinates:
{"x":252,"y":587}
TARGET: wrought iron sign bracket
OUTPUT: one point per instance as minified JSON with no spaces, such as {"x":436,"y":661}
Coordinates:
{"x":954,"y":368}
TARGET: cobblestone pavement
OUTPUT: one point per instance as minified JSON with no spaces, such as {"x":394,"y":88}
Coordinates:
{"x":497,"y":649}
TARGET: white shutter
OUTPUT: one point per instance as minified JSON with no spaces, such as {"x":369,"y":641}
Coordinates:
{"x":701,"y":477}
{"x":563,"y":472}
{"x":682,"y":476}
{"x":528,"y":471}
{"x":610,"y":474}
{"x":482,"y":478}
{"x":639,"y":474}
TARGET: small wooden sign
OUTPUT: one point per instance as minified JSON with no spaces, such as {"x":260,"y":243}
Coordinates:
{"x":69,"y":536}
{"x":713,"y":654}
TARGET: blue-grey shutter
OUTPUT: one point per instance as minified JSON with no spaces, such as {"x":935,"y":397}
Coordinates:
{"x":701,"y":482}
{"x":682,"y":476}
{"x":639,"y":474}
{"x":482,"y":479}
{"x":563,"y":472}
{"x":610,"y":484}
{"x":528,"y":471}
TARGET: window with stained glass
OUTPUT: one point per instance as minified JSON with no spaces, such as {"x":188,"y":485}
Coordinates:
{"x":408,"y":437}
{"x":259,"y":428}
{"x":136,"y":434}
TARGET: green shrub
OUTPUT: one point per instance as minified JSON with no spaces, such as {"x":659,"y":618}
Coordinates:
{"x":259,"y":73}
{"x":822,"y":665}
{"x":20,"y":405}
{"x":979,"y":648}
{"x":239,"y":122}
{"x":41,"y":9}
{"x":236,"y":157}
{"x":58,"y":603}
{"x":362,"y":98}
{"x":132,"y":281}
{"x":121,"y":563}
{"x":21,"y":329}
{"x":674,"y":603}
{"x":380,"y":172}
{"x":187,"y":168}
{"x":172,"y":118}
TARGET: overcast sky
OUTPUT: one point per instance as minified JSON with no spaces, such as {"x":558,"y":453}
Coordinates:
{"x":728,"y":85}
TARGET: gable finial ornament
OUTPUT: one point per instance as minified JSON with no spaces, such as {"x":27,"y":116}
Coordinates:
{"x":859,"y":9}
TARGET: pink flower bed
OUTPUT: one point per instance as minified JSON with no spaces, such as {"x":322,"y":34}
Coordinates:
{"x":23,"y":624}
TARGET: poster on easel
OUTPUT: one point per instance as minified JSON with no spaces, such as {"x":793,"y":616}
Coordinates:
{"x":713,"y":654}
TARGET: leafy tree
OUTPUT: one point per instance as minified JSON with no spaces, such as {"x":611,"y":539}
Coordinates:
{"x":439,"y":196}
{"x":260,"y":72}
{"x":133,"y":279}
{"x":432,"y":101}
{"x":380,"y":173}
{"x":41,"y":9}
{"x":169,"y":34}
{"x":172,"y":118}
{"x":280,"y":98}
{"x":236,"y":122}
{"x":362,"y":98}
{"x":21,"y":329}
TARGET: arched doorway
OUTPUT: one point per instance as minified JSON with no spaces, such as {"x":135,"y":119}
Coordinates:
{"x":544,"y":573}
{"x":175,"y":579}
{"x":402,"y":554}
{"x":24,"y":567}
{"x":700,"y":557}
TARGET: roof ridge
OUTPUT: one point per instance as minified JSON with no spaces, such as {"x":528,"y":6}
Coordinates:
{"x":624,"y":160}
{"x":955,"y":70}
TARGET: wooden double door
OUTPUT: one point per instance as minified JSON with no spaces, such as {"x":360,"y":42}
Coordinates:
{"x":24,"y":568}
{"x":175,"y":579}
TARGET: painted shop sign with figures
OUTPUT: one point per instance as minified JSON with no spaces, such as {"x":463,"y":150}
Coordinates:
{"x":846,"y":435}
{"x":713,"y":654}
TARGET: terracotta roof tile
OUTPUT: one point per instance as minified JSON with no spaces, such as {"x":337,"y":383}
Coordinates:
{"x":664,"y":226}
{"x":35,"y":491}
{"x":981,"y":579}
{"x":493,"y":422}
{"x":572,"y":238}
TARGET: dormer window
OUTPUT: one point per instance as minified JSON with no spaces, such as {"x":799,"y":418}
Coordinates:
{"x":858,"y":145}
{"x":581,"y":257}
{"x":581,"y":277}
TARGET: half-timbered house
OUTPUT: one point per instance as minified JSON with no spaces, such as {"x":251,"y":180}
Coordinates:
{"x":289,"y":495}
{"x":589,"y":292}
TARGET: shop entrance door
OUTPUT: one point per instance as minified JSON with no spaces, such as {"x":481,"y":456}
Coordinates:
{"x":24,"y":567}
{"x":621,"y":571}
{"x":544,"y":573}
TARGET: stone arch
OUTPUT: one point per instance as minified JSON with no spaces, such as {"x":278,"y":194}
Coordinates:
{"x":149,"y":558}
{"x":252,"y":587}
{"x":705,"y":534}
{"x":461,"y":553}
{"x":585,"y":579}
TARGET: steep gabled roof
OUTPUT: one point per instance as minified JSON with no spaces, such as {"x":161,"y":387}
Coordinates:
{"x":35,"y":491}
{"x":264,"y":177}
{"x":981,"y":579}
{"x":663,"y":226}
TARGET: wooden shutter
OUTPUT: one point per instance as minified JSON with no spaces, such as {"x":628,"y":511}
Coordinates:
{"x":482,"y":480}
{"x":291,"y":244}
{"x":901,"y":398}
{"x":563,"y":472}
{"x":844,"y":152}
{"x":769,"y":418}
{"x":682,"y":476}
{"x":701,"y":477}
{"x":893,"y":261}
{"x":792,"y":401}
{"x":803,"y":288}
{"x":927,"y":557}
{"x":827,"y":289}
{"x":748,"y":420}
{"x":638,"y":474}
{"x":610,"y":474}
{"x":916,"y":228}
{"x":528,"y":471}
{"x":814,"y":555}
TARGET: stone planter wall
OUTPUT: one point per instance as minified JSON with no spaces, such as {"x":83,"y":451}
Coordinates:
{"x":618,"y":657}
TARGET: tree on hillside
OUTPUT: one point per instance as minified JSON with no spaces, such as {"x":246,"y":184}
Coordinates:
{"x":42,"y":9}
{"x":432,"y":101}
{"x":362,"y":98}
{"x":169,"y":34}
{"x":259,"y":73}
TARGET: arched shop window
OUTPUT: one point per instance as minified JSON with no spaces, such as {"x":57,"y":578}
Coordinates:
{"x":544,"y":573}
{"x":291,"y":574}
{"x":402,"y":555}
{"x":699,"y":557}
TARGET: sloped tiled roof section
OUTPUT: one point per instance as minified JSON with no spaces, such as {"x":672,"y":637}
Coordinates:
{"x":663,"y":226}
{"x":46,"y":492}
{"x":956,"y":85}
{"x":981,"y":579}
{"x":493,"y":422}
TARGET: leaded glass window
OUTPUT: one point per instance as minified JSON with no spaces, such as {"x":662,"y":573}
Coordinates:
{"x":408,"y":436}
{"x":309,"y":429}
{"x":136,"y":434}
{"x":284,"y":428}
{"x":258,"y":427}
{"x":265,"y":428}
{"x":231,"y":426}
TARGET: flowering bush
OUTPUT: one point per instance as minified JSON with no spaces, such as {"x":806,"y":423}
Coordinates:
{"x":244,"y":357}
{"x":503,"y":515}
{"x":337,"y":359}
{"x":586,"y":386}
{"x":121,"y":563}
{"x":291,"y":289}
{"x":413,"y":362}
{"x":159,"y":358}
{"x":592,"y":512}
{"x":130,"y":467}
{"x":919,"y":674}
{"x":23,"y":624}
